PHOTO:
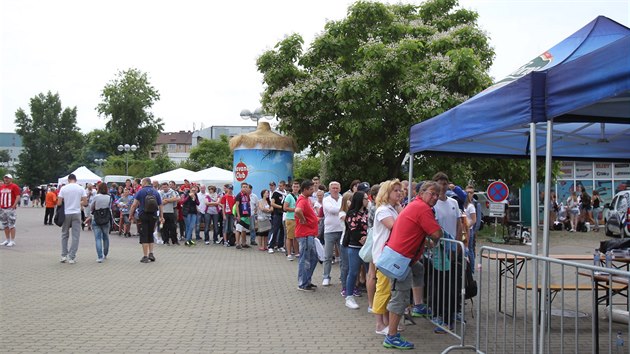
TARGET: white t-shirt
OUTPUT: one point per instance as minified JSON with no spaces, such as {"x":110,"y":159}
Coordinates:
{"x":253,"y":202}
{"x":72,"y":194}
{"x":201,"y":197}
{"x":380,"y":234}
{"x":447,"y":214}
{"x":332,"y":223}
{"x":470,"y":209}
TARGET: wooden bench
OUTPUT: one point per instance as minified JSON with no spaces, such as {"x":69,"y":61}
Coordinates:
{"x":554,"y":289}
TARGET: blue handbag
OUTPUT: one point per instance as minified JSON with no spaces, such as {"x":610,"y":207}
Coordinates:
{"x":393,"y":264}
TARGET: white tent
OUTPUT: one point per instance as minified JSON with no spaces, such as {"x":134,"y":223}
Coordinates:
{"x":84,"y":175}
{"x":213,"y":176}
{"x":178,"y":175}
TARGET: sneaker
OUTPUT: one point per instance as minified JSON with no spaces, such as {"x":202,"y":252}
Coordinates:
{"x":351,"y":303}
{"x":145,"y":259}
{"x":99,"y":260}
{"x":187,"y":243}
{"x":6,"y":242}
{"x":383,"y":331}
{"x":207,"y":242}
{"x":238,"y":247}
{"x":420,"y":311}
{"x":290,"y":258}
{"x":343,"y":292}
{"x":356,"y":292}
{"x":270,"y":250}
{"x":459,"y":317}
{"x":63,"y":259}
{"x":253,"y":243}
{"x":440,"y":330}
{"x":245,"y":246}
{"x":72,"y":261}
{"x":281,"y":249}
{"x":370,"y":309}
{"x":192,"y":242}
{"x":151,"y":257}
{"x":11,"y":244}
{"x":313,"y":285}
{"x":397,"y":342}
{"x":217,"y":242}
{"x":326,"y":282}
{"x":306,"y":288}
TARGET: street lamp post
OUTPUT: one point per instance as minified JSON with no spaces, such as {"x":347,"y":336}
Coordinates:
{"x":255,"y":116}
{"x":126,"y":148}
{"x":100,"y":162}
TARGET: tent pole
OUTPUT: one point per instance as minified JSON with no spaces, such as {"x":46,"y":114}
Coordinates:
{"x":534,"y":227}
{"x":409,"y":191}
{"x":545,"y":275}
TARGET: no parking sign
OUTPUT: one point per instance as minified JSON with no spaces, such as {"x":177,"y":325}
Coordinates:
{"x":497,"y":192}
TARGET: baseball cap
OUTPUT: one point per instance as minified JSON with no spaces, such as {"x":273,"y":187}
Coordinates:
{"x":8,"y":175}
{"x":363,"y":187}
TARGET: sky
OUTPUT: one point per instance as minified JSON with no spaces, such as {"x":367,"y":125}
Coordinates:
{"x":201,"y":55}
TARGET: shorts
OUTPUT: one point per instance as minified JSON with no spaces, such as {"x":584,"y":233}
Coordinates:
{"x":240,"y":228}
{"x":7,"y":218}
{"x":382,"y":295}
{"x":126,"y":220}
{"x":400,"y":289}
{"x":290,"y":225}
{"x":146,"y":227}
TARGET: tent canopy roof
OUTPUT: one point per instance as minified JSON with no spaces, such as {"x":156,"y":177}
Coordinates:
{"x":581,"y":82}
{"x":84,"y":175}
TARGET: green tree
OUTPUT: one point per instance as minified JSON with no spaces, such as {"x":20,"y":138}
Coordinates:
{"x":127,"y":103}
{"x":368,"y":78}
{"x":51,"y":139}
{"x":5,"y":157}
{"x":210,"y":153}
{"x":306,"y":167}
{"x":162,"y":163}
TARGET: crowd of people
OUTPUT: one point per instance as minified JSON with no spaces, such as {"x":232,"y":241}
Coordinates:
{"x":580,"y":212}
{"x":292,"y":219}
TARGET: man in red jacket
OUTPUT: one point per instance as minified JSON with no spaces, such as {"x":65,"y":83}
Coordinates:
{"x":9,"y":197}
{"x":305,"y":232}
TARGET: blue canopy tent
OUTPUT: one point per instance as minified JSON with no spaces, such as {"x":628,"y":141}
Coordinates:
{"x":576,"y":96}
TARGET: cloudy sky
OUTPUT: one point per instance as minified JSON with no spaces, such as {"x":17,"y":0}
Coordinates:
{"x":201,"y":55}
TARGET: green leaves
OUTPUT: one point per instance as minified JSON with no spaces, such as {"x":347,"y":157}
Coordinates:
{"x":356,"y":91}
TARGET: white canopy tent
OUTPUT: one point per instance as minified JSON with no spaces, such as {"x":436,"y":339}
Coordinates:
{"x":83,"y":174}
{"x":213,"y":176}
{"x":178,"y":175}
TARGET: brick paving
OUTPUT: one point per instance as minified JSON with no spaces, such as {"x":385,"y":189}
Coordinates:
{"x":191,"y":300}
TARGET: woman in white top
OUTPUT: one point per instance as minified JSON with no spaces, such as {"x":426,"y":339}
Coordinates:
{"x":471,"y":218}
{"x":264,"y":219}
{"x":574,"y":210}
{"x":387,"y":209}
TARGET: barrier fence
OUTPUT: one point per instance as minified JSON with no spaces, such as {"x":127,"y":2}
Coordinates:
{"x":515,"y":315}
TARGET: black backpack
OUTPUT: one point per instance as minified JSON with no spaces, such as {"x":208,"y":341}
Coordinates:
{"x":102,"y":216}
{"x":150,"y":203}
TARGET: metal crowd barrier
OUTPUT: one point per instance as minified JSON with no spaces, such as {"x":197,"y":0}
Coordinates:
{"x":518,"y":313}
{"x":445,"y":273}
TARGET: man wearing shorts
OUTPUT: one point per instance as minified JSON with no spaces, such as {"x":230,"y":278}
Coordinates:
{"x":9,"y":197}
{"x":289,"y":209}
{"x":413,"y":225}
{"x":146,"y":220}
{"x":243,"y":216}
{"x":73,"y":197}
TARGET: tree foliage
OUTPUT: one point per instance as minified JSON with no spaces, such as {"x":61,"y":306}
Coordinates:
{"x":51,"y":139}
{"x":210,"y":153}
{"x":306,"y":167}
{"x":363,"y":82}
{"x":127,"y":102}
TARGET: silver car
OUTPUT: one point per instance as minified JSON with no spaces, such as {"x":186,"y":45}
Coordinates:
{"x":616,"y":221}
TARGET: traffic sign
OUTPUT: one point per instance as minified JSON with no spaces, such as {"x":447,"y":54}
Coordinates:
{"x":497,"y":210}
{"x":497,"y":192}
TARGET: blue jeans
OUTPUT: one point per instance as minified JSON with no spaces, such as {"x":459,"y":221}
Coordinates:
{"x":343,"y":264}
{"x":190,"y":220}
{"x":308,"y":260}
{"x":101,"y":236}
{"x":472,"y":243}
{"x":330,"y":240}
{"x":206,"y":230}
{"x":215,"y":226}
{"x":354,"y":265}
{"x":252,"y":229}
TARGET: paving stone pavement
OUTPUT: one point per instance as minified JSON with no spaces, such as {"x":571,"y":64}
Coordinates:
{"x":191,"y":300}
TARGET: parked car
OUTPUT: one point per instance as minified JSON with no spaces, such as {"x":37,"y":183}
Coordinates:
{"x":616,"y":220}
{"x":485,"y":206}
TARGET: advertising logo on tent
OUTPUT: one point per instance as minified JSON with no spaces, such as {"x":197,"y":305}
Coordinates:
{"x":534,"y":65}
